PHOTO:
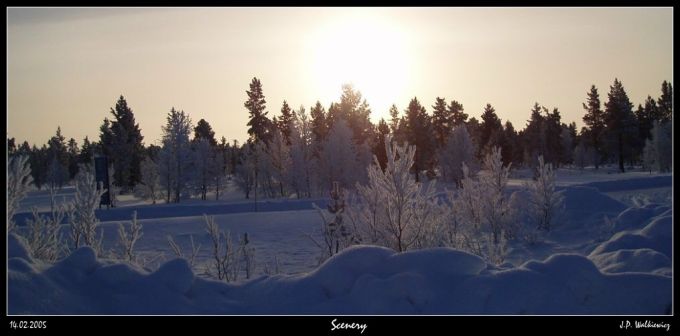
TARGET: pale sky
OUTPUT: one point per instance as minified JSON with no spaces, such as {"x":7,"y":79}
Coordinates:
{"x":68,"y":66}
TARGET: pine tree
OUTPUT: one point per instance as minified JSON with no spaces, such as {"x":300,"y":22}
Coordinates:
{"x":665,"y":102}
{"x":442,"y":122}
{"x":57,"y":161}
{"x":355,"y":110}
{"x":319,"y":127}
{"x":285,"y":122}
{"x":533,"y":136}
{"x":510,"y":147}
{"x":595,"y":123}
{"x":394,"y":119}
{"x":203,"y":130}
{"x":620,"y":122}
{"x":379,"y":150}
{"x":128,"y":150}
{"x":553,"y":137}
{"x":86,"y":155}
{"x":105,"y":138}
{"x":259,"y":124}
{"x":458,"y":116}
{"x":491,"y":130}
{"x":418,"y":134}
{"x":72,"y":158}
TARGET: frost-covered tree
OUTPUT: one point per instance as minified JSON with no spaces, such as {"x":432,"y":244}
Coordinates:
{"x":278,"y":154}
{"x":583,"y":155}
{"x":18,"y":183}
{"x":43,"y":238}
{"x":84,"y":222}
{"x":459,"y":149}
{"x":658,"y":152}
{"x":545,"y":203}
{"x":301,"y":155}
{"x":175,"y":154}
{"x":405,"y":210}
{"x":204,"y":166}
{"x":150,"y":183}
{"x":245,"y":171}
{"x":127,"y":239}
{"x":338,"y":159}
{"x":483,"y":209}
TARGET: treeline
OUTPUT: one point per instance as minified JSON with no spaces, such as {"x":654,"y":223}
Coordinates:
{"x":299,"y":153}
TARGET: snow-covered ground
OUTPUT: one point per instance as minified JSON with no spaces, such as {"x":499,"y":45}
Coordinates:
{"x":586,"y":265}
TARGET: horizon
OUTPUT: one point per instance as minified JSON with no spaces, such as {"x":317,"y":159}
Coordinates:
{"x":68,"y":66}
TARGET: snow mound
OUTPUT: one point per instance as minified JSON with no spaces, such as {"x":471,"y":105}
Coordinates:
{"x":582,"y":202}
{"x":175,"y":274}
{"x":359,"y":280}
{"x":655,"y":236}
{"x":648,"y":249}
{"x":642,"y":260}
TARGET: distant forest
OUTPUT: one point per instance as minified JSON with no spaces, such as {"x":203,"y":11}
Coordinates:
{"x":299,"y":153}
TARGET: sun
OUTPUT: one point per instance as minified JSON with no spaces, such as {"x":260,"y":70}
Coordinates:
{"x":369,"y":52}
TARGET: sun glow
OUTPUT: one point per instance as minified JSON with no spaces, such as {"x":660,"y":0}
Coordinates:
{"x":367,"y":51}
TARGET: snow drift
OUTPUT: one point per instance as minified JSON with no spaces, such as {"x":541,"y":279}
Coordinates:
{"x":359,"y":280}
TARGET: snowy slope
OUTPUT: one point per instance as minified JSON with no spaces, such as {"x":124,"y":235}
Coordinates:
{"x":360,"y":280}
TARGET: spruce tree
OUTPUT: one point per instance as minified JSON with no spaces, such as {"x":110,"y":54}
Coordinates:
{"x":491,"y":130}
{"x":203,"y":130}
{"x":126,"y":144}
{"x":259,"y":124}
{"x":319,"y":124}
{"x":285,"y":122}
{"x":595,"y":123}
{"x":620,"y":122}
{"x":665,"y":102}
{"x":458,"y":117}
{"x":442,"y":122}
{"x":418,"y":134}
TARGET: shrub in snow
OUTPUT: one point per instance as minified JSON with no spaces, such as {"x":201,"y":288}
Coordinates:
{"x":150,"y":184}
{"x":226,"y":261}
{"x":84,"y":222}
{"x":545,"y":203}
{"x":42,"y":237}
{"x":18,"y":181}
{"x":336,"y":234}
{"x":247,"y":253}
{"x":127,"y":239}
{"x":393,"y":209}
{"x":484,"y":211}
{"x":178,"y":251}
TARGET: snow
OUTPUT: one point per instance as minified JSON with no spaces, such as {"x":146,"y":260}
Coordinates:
{"x":583,"y":266}
{"x":359,"y":280}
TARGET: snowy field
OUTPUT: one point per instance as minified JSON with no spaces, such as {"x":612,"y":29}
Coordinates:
{"x":586,"y":264}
